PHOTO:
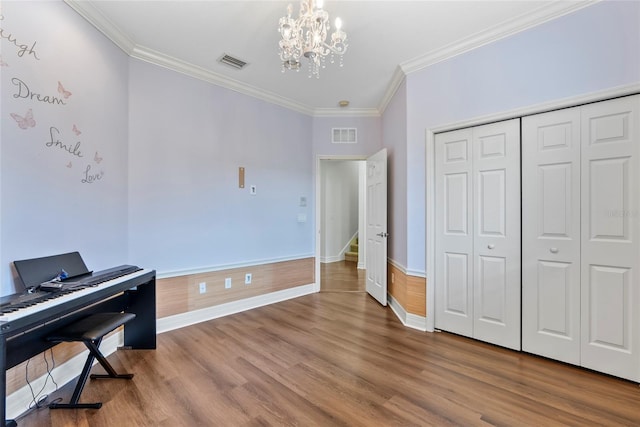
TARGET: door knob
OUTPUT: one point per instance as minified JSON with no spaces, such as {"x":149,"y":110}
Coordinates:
{"x":491,"y":246}
{"x":553,"y":250}
{"x":383,"y":234}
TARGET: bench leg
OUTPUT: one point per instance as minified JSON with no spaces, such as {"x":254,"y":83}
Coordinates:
{"x":111,"y":373}
{"x":94,"y":353}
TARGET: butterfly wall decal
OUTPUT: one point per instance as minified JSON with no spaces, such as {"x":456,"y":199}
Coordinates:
{"x":2,"y":63}
{"x":97,"y":158}
{"x":65,"y":93}
{"x":69,"y":165}
{"x":76,"y":130}
{"x":25,"y":122}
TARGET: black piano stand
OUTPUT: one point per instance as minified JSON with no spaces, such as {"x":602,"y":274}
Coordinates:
{"x":90,"y":330}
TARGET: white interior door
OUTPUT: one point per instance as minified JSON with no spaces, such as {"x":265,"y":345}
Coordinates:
{"x":496,"y":240}
{"x":610,"y":243}
{"x":551,"y":235}
{"x":376,"y":229}
{"x":477,"y":222}
{"x":454,"y":232}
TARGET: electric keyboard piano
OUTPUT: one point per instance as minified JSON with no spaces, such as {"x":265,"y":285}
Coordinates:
{"x":33,"y":316}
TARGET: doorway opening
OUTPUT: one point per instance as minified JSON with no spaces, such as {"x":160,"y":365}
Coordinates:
{"x":340,"y":261}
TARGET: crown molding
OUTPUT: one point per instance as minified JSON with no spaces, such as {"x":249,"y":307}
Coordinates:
{"x":396,"y":80}
{"x":93,"y":15}
{"x":166,"y":61}
{"x":506,"y":29}
{"x":513,"y":26}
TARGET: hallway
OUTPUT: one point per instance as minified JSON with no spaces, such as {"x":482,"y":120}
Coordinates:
{"x":341,"y":276}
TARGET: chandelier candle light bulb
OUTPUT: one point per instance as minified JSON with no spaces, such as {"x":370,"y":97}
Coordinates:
{"x":307,"y":36}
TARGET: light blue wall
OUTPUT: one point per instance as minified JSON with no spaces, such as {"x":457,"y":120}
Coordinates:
{"x":168,"y":195}
{"x":187,"y":140}
{"x":168,"y":147}
{"x":47,"y":205}
{"x":394,"y":126}
{"x":593,"y":49}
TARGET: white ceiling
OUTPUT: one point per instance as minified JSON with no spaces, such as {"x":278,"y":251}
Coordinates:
{"x":387,"y":40}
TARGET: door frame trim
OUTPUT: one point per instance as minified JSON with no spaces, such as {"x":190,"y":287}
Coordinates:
{"x":573,"y":101}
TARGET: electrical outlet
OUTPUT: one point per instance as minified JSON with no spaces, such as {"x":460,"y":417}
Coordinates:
{"x":247,"y":279}
{"x":227,"y":283}
{"x":203,"y":287}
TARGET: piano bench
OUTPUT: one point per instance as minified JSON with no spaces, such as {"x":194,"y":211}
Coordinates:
{"x":90,"y":330}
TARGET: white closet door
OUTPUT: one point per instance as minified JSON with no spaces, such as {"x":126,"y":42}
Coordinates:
{"x":496,"y":241}
{"x":551,"y":235}
{"x":454,"y":234}
{"x":611,"y":237}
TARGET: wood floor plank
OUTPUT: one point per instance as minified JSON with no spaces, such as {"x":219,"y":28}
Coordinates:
{"x":340,"y":359}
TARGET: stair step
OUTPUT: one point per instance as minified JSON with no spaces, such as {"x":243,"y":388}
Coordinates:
{"x":351,"y":256}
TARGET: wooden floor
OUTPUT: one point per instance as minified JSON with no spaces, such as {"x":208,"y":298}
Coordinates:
{"x":341,"y":276}
{"x":340,"y":359}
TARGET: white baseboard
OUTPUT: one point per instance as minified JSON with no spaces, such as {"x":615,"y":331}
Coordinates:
{"x":192,"y":317}
{"x":330,"y":259}
{"x":409,"y":320}
{"x":18,"y":402}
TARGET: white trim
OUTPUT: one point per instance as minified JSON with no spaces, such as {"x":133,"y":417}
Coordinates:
{"x":407,"y":319}
{"x":347,"y":247}
{"x":505,"y":115}
{"x":430,"y":242}
{"x":166,"y":61}
{"x":93,"y":15}
{"x":18,"y":402}
{"x":341,"y":255}
{"x":197,"y":316}
{"x":407,"y":272}
{"x":543,"y":107}
{"x":331,"y":259}
{"x":209,"y":269}
{"x":543,"y":14}
{"x":397,"y":265}
{"x":396,"y":80}
{"x":503,"y":30}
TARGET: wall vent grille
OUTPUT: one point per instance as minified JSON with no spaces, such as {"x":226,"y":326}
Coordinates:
{"x":344,"y":135}
{"x":231,"y":61}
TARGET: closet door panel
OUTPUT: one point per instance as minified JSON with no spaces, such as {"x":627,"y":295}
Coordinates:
{"x":496,"y":241}
{"x":610,"y":297}
{"x":551,"y":235}
{"x":454,"y":236}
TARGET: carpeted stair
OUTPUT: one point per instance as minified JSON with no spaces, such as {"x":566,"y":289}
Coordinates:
{"x":352,"y":253}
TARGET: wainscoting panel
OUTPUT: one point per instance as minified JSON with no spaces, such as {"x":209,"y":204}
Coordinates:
{"x":408,"y":291}
{"x":181,"y":294}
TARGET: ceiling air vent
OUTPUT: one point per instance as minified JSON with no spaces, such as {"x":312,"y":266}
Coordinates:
{"x":229,"y":60}
{"x":344,"y":135}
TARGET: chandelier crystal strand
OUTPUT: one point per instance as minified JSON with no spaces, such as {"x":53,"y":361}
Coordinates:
{"x":307,"y":36}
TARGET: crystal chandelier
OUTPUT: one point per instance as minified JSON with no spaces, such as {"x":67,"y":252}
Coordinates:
{"x":306,"y":36}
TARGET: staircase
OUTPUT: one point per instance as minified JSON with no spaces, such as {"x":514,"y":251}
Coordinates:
{"x":352,"y":253}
